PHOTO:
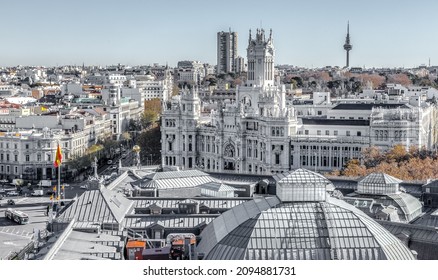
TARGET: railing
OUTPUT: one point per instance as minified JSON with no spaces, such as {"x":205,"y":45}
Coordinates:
{"x":30,"y":247}
{"x":331,"y":139}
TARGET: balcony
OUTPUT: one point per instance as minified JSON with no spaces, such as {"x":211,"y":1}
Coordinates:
{"x":330,"y":139}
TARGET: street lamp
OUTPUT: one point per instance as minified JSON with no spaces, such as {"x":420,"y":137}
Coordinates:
{"x":136,"y":149}
{"x":120,"y":157}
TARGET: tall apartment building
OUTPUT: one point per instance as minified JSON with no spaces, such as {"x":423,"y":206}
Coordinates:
{"x":226,"y":51}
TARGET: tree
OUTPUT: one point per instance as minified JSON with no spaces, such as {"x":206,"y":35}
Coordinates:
{"x":356,"y":86}
{"x":402,"y":79}
{"x":150,"y":143}
{"x":153,"y":105}
{"x":371,"y":156}
{"x":398,"y":153}
{"x":298,"y":80}
{"x":415,"y":164}
{"x":324,"y":76}
{"x":147,"y":118}
{"x":126,"y":136}
{"x":374,"y":79}
{"x":354,"y":169}
{"x":151,"y":112}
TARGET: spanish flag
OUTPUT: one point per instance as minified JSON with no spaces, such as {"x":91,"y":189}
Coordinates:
{"x":58,"y":157}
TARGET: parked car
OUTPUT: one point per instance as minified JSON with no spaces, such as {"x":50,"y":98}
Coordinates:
{"x":37,"y":193}
{"x":12,"y":193}
{"x":11,"y":202}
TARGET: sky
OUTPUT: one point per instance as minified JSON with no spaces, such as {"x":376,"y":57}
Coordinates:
{"x":309,"y":33}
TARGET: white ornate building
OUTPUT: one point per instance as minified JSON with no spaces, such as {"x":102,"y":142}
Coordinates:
{"x":250,"y":136}
{"x":259,"y":134}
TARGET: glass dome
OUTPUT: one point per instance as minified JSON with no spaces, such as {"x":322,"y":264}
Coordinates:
{"x":298,"y":231}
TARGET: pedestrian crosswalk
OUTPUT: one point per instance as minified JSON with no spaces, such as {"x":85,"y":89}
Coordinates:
{"x":16,"y":231}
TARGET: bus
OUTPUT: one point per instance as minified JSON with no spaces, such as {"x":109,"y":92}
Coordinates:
{"x":17,"y":216}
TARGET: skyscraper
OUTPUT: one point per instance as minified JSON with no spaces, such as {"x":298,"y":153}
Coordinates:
{"x":347,"y":45}
{"x":226,"y":51}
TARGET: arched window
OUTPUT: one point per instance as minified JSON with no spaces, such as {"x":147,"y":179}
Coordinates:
{"x":229,"y":151}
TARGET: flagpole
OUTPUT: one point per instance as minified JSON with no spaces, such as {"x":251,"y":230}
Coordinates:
{"x":59,"y":183}
{"x":58,"y":190}
{"x":58,"y":193}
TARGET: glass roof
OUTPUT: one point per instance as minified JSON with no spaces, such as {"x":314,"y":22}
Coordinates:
{"x":301,"y":176}
{"x":300,"y":230}
{"x":302,"y":185}
{"x":379,"y":178}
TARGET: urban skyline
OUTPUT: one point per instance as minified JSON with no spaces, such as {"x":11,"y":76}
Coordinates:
{"x":143,"y":32}
{"x":267,"y":163}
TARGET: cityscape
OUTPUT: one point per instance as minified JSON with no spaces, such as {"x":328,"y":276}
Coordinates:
{"x":243,"y":158}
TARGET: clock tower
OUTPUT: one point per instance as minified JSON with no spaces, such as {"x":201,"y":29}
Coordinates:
{"x":260,"y":54}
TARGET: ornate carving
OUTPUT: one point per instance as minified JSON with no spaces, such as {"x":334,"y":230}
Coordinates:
{"x":229,"y":151}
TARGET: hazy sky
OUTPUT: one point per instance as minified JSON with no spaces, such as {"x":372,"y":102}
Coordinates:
{"x":310,"y":33}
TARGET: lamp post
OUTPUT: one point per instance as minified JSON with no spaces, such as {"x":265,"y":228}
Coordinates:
{"x":120,"y":157}
{"x":136,"y":149}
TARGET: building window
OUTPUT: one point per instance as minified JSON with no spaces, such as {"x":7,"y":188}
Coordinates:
{"x":15,"y":157}
{"x":318,"y":132}
{"x":335,"y":132}
{"x":319,"y":113}
{"x":27,"y":146}
{"x":306,"y":132}
{"x":277,"y":159}
{"x":327,"y":132}
{"x":16,"y":169}
{"x":348,"y":133}
{"x":359,"y":133}
{"x":27,"y":157}
{"x":15,"y":146}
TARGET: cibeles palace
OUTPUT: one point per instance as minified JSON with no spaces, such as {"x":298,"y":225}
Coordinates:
{"x":261,"y":133}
